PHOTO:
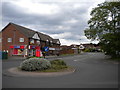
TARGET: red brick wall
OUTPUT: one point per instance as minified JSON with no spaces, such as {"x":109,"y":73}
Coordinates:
{"x":67,"y":51}
{"x":11,"y":32}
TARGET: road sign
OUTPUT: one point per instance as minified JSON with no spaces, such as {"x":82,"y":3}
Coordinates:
{"x":51,"y":48}
{"x":46,"y":49}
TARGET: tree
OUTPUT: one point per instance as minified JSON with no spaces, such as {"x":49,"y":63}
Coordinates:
{"x":104,"y":25}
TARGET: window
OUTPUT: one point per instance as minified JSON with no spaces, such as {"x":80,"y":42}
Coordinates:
{"x":9,"y":39}
{"x":0,"y":39}
{"x":31,"y":41}
{"x":21,"y":39}
{"x":47,"y":40}
{"x":58,"y":42}
{"x":51,"y":43}
{"x":38,"y":42}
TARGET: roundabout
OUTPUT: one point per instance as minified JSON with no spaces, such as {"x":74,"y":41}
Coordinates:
{"x":15,"y":72}
{"x":92,"y":70}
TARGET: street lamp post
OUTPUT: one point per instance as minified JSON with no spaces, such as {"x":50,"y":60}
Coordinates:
{"x":80,"y":42}
{"x":79,"y":47}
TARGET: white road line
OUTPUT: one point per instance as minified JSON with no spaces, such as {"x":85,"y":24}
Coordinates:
{"x":59,"y":58}
{"x":75,"y":60}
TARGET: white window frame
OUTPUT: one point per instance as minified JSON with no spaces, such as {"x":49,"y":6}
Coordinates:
{"x":47,"y":40}
{"x":32,"y":41}
{"x":51,"y":41}
{"x":9,"y":39}
{"x":38,"y":41}
{"x":58,"y":42}
{"x":21,"y":39}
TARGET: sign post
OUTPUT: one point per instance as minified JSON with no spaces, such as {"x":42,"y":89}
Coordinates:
{"x":45,"y":49}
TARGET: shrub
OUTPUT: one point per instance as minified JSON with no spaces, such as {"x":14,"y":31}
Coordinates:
{"x":34,"y":64}
{"x":58,"y":64}
{"x":87,"y":50}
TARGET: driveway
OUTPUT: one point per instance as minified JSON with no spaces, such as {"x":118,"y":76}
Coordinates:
{"x":93,"y":70}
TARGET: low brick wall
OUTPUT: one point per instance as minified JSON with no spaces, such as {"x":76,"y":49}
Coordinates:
{"x":67,"y":51}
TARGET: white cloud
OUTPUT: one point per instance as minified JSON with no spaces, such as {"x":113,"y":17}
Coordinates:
{"x":72,"y":21}
{"x":62,"y":35}
{"x":63,"y":27}
{"x":79,"y":39}
{"x":62,"y":19}
{"x":37,"y":8}
{"x":68,"y":42}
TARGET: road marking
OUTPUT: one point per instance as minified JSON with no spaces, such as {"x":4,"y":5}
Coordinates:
{"x":75,"y":60}
{"x":105,"y":62}
{"x":59,"y":58}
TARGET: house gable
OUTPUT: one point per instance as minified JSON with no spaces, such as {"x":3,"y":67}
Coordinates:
{"x":35,"y":36}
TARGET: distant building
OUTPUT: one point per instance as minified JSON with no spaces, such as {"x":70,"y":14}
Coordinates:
{"x":21,"y":41}
{"x":90,"y":45}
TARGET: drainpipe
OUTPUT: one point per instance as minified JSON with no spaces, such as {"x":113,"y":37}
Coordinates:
{"x":14,"y":38}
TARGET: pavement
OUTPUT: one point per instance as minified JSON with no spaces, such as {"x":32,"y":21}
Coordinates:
{"x":93,"y":70}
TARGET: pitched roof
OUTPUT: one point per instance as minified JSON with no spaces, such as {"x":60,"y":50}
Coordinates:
{"x":56,"y":41}
{"x":44,"y":37}
{"x":26,"y":31}
{"x":29,"y":32}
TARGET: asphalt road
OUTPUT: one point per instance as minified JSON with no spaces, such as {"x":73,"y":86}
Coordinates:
{"x":92,"y":71}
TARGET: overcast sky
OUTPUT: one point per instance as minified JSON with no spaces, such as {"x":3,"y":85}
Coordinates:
{"x":65,"y":20}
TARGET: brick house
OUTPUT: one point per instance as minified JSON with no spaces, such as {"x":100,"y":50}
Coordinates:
{"x":21,"y":41}
{"x":90,"y":45}
{"x":64,"y":49}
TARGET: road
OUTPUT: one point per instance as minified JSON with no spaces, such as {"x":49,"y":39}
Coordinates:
{"x":92,"y":71}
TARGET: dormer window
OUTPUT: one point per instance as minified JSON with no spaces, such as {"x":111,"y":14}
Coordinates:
{"x":47,"y":40}
{"x":31,"y":41}
{"x":50,"y":41}
{"x":38,"y":42}
{"x":58,"y":42}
